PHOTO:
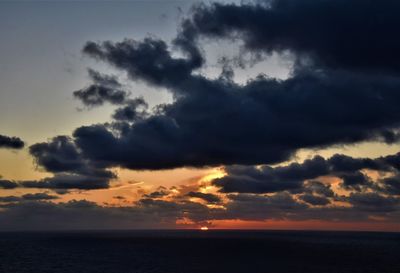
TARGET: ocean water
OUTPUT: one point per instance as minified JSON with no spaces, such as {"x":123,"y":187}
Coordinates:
{"x":199,"y":251}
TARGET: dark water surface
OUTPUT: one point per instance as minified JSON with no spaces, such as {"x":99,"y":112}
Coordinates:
{"x":199,"y":251}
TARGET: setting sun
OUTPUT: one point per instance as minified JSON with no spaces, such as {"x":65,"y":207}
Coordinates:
{"x":204,"y":228}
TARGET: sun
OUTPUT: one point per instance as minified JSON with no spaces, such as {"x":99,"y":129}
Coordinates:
{"x":204,"y":228}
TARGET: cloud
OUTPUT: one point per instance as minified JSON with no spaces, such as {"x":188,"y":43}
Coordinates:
{"x":134,"y":110}
{"x":29,"y":214}
{"x":8,"y":199}
{"x":58,"y":155}
{"x":355,"y":180}
{"x":119,"y":197}
{"x":319,"y":188}
{"x":315,"y":199}
{"x":263,"y":122}
{"x":38,"y":196}
{"x":365,"y":207}
{"x":218,"y":122}
{"x":149,"y":60}
{"x":7,"y":184}
{"x":266,"y":179}
{"x":11,"y":142}
{"x":69,"y":181}
{"x":257,"y":207}
{"x":160,"y":193}
{"x":104,"y":89}
{"x":28,"y":197}
{"x":61,"y":157}
{"x":208,"y":197}
{"x":338,"y":34}
{"x":374,"y":202}
{"x":392,"y":184}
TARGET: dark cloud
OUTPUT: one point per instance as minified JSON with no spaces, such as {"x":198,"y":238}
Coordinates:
{"x":374,"y":202}
{"x":95,"y":95}
{"x":284,"y":206}
{"x":343,"y":163}
{"x":354,"y":35}
{"x":7,"y":199}
{"x":61,"y":182}
{"x":11,"y":142}
{"x":105,"y":88}
{"x":265,"y":179}
{"x":149,"y":60}
{"x":103,"y":79}
{"x":256,"y":207}
{"x":319,"y":188}
{"x":329,"y":99}
{"x":134,"y":110}
{"x":57,"y":155}
{"x":392,"y":184}
{"x":355,"y":180}
{"x":208,"y":197}
{"x":252,"y":180}
{"x":28,"y":197}
{"x":119,"y":197}
{"x":161,"y":192}
{"x":263,"y":122}
{"x":214,"y":122}
{"x":61,"y":157}
{"x":7,"y":184}
{"x":39,"y":196}
{"x":69,"y":181}
{"x":315,"y":199}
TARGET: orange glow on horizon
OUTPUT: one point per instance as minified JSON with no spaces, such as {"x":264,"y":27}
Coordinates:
{"x":306,"y":225}
{"x":204,"y":228}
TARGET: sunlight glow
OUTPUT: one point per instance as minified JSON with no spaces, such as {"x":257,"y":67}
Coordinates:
{"x":216,"y":173}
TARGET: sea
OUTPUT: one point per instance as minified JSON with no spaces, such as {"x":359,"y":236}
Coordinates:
{"x":192,"y":251}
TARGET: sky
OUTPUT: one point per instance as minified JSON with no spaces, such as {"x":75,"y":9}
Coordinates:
{"x":275,"y":114}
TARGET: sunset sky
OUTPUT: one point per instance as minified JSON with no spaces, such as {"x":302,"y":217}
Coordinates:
{"x":280,"y":114}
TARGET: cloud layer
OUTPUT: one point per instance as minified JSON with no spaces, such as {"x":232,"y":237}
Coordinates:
{"x":343,"y":89}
